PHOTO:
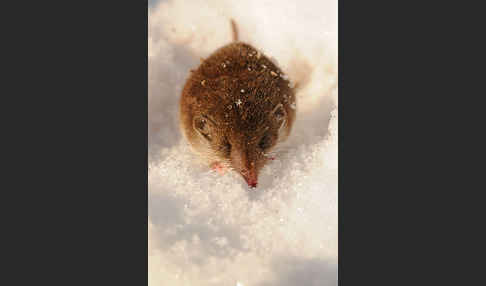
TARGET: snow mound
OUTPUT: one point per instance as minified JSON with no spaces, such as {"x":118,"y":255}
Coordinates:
{"x":208,"y":229}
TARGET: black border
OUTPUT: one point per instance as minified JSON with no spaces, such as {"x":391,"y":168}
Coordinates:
{"x":76,"y":181}
{"x":408,"y":135}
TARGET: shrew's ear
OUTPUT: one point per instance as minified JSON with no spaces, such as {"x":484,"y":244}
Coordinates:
{"x":203,"y":126}
{"x":279,"y":116}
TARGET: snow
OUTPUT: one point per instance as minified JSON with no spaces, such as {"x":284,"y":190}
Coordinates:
{"x":210,"y":229}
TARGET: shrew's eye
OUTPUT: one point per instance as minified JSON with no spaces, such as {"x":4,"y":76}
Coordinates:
{"x":264,"y":142}
{"x":202,"y":126}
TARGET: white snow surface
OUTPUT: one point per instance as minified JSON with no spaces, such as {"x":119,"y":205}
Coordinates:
{"x":210,"y":229}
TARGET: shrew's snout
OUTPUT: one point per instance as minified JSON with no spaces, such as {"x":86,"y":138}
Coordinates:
{"x":250,"y":177}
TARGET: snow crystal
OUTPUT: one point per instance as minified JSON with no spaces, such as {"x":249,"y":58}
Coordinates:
{"x":206,"y":228}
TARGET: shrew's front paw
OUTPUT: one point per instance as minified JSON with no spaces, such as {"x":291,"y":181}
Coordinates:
{"x":218,"y":167}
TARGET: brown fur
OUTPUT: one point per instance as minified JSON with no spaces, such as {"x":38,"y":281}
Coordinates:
{"x":213,"y":91}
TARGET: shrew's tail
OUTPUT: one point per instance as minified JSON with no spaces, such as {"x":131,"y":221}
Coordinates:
{"x":234,"y":29}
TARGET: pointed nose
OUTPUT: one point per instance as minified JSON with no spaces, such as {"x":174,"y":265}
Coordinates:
{"x":252,"y":183}
{"x":250,"y":177}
